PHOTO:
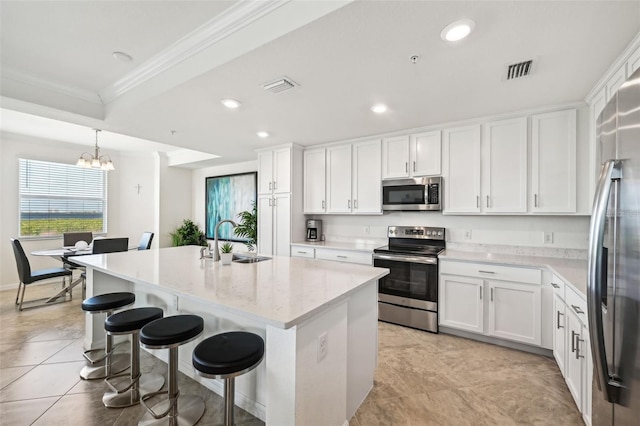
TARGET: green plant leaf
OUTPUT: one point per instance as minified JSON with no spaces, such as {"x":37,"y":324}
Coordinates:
{"x":248,"y":226}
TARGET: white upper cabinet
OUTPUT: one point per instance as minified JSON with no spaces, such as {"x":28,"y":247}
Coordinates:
{"x":461,"y":169}
{"x":504,"y":166}
{"x":553,"y":174}
{"x":412,"y":156}
{"x":348,"y":174}
{"x":339,"y":179}
{"x":395,"y":157}
{"x":274,"y":171}
{"x":366,"y":180}
{"x":314,"y":180}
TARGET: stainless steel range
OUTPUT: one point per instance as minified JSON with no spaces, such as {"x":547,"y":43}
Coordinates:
{"x":409,"y":294}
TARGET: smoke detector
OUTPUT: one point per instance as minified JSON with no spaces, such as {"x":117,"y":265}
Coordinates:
{"x":519,"y":70}
{"x":280,"y":85}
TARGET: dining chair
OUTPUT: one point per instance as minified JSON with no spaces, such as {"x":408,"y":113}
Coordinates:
{"x":27,"y":276}
{"x":145,"y":241}
{"x":110,"y":245}
{"x":70,"y":239}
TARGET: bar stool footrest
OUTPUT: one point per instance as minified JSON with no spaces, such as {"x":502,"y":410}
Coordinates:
{"x":190,"y":410}
{"x":119,"y":363}
{"x":115,"y":376}
{"x":147,"y":383}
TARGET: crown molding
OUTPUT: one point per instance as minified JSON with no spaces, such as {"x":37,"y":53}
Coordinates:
{"x":231,"y":20}
{"x":30,"y":80}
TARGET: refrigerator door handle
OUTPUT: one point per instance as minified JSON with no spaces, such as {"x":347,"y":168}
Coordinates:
{"x":611,"y":171}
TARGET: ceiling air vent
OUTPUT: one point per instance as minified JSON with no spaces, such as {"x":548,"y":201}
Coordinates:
{"x":521,"y":69}
{"x":279,"y":85}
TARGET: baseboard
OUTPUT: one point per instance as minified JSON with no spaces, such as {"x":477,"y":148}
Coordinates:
{"x":495,"y":341}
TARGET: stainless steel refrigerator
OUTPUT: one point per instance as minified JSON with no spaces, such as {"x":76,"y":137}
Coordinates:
{"x":614,"y":263}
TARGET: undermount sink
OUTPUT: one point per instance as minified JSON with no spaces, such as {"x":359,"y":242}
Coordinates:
{"x":238,"y":258}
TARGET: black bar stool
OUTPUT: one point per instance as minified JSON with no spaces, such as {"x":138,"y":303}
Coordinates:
{"x":107,"y":363}
{"x":130,"y":322}
{"x":225,"y":356}
{"x":169,"y":333}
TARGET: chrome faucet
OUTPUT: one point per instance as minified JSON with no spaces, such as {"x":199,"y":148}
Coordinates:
{"x":216,"y":253}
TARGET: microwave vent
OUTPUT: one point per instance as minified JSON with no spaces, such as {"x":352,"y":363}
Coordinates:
{"x":279,"y":85}
{"x":519,"y":70}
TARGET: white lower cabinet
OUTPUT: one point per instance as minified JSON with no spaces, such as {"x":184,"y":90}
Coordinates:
{"x":571,"y":345}
{"x":337,"y":255}
{"x":507,"y":308}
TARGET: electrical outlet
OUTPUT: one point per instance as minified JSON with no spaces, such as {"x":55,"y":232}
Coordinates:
{"x":323,"y":347}
{"x":367,"y":230}
{"x":548,"y":237}
{"x":467,"y":234}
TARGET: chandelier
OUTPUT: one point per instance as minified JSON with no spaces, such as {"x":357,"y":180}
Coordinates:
{"x":96,"y":161}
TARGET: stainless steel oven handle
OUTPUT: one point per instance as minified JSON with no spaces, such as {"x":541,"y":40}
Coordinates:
{"x":611,"y":170}
{"x":410,"y":259}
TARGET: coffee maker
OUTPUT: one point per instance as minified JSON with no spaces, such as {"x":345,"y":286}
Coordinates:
{"x":314,"y":230}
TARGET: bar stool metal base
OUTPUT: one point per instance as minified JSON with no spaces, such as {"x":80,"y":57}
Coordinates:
{"x":190,"y":410}
{"x":146,"y":384}
{"x":119,"y":363}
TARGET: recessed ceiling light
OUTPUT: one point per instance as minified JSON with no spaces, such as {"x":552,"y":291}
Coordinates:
{"x":231,"y":103}
{"x":263,"y":134}
{"x":379,"y":108}
{"x":457,"y":30}
{"x":121,"y":56}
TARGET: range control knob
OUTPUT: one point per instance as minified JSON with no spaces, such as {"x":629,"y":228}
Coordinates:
{"x":439,"y":233}
{"x":429,"y":233}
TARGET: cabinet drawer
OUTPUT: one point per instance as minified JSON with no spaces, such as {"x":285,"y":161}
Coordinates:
{"x":577,"y":304}
{"x":302,"y":251}
{"x":491,"y":271}
{"x":558,"y":286}
{"x":344,"y":256}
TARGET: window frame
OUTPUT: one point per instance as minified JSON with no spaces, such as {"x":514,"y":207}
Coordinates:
{"x":103,"y":198}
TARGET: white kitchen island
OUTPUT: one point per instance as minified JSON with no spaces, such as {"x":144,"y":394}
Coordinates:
{"x":290,"y":302}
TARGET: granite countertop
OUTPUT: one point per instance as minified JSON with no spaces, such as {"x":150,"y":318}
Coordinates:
{"x":282,"y":291}
{"x":572,"y":271}
{"x":340,"y":245}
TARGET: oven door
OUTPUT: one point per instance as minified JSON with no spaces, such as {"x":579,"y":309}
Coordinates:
{"x":412,"y":281}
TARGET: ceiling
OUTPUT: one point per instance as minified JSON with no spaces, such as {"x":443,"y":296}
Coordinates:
{"x":56,"y":62}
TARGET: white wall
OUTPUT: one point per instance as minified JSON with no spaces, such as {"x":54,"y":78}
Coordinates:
{"x":173,"y":201}
{"x":13,"y":147}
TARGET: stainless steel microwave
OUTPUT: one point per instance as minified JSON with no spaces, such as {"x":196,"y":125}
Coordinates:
{"x":416,"y":194}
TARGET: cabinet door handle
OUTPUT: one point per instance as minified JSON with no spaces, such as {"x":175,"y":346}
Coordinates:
{"x":535,"y":200}
{"x":577,"y":309}
{"x":558,"y":326}
{"x":573,"y":340}
{"x":355,"y":204}
{"x":322,"y":204}
{"x":269,"y":202}
{"x":477,"y":201}
{"x":492,"y":294}
{"x":349,"y":204}
{"x":578,"y":340}
{"x":301,"y":252}
{"x":270,"y":183}
{"x":275,"y":185}
{"x":486,"y":272}
{"x":555,"y":285}
{"x":274,"y":202}
{"x":487,"y":201}
{"x":480,"y":293}
{"x":406,"y":167}
{"x":341,"y":256}
{"x":414,"y":166}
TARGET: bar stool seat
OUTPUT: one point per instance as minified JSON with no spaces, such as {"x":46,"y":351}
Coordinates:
{"x":169,"y":333}
{"x":130,"y":322}
{"x":225,"y":356}
{"x":106,"y":363}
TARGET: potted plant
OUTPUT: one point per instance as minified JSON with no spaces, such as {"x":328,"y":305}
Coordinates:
{"x":189,"y":234}
{"x":248,"y":226}
{"x":226,"y":253}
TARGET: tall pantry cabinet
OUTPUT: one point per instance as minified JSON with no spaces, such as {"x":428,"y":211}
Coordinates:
{"x":280,"y":215}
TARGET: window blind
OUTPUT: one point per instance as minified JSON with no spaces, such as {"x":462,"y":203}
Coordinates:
{"x":57,"y":198}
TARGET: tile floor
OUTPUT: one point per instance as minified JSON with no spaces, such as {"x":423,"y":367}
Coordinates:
{"x":421,"y":379}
